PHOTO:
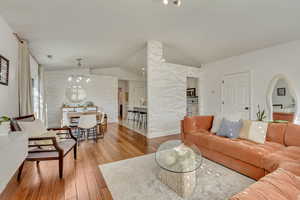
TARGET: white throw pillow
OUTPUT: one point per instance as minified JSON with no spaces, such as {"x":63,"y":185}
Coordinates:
{"x":244,"y":132}
{"x":216,"y":124}
{"x":34,"y":128}
{"x":258,"y":131}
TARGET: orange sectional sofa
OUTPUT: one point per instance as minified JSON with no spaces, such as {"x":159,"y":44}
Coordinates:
{"x":277,"y":160}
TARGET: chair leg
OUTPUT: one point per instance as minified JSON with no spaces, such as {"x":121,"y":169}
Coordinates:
{"x":61,"y":167}
{"x":75,"y":152}
{"x":20,"y":171}
{"x":37,"y":163}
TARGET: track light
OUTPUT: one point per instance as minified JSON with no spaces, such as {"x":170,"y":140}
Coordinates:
{"x":177,"y":3}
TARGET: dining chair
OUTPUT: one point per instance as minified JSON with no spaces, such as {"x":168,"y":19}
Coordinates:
{"x":45,"y":144}
{"x":88,"y":126}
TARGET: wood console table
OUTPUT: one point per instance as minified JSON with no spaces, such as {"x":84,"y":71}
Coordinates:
{"x":283,"y":116}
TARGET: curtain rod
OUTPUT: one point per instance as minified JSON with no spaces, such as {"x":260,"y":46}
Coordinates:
{"x":22,"y":41}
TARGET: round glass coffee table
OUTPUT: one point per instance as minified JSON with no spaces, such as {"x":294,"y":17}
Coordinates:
{"x":178,"y":166}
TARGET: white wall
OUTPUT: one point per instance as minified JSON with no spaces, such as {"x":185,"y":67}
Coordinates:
{"x":166,"y":87}
{"x":9,"y":49}
{"x":102,"y":90}
{"x":263,"y":64}
{"x":121,"y":74}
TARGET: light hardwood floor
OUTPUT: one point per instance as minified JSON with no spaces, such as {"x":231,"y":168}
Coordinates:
{"x":82,"y":178}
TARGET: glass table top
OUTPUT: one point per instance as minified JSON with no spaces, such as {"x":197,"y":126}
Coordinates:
{"x":177,"y":157}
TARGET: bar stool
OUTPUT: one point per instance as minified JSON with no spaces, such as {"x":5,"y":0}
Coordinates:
{"x":136,"y":114}
{"x":130,"y":115}
{"x":143,"y":119}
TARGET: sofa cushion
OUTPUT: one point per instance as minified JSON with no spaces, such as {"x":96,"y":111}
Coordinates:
{"x":197,"y":123}
{"x":279,"y":185}
{"x":244,"y":132}
{"x":34,"y":128}
{"x":293,"y":167}
{"x":216,"y":124}
{"x":230,"y":129}
{"x":288,"y":154}
{"x":244,"y":150}
{"x":275,"y":132}
{"x":258,"y":131}
{"x":292,"y":135}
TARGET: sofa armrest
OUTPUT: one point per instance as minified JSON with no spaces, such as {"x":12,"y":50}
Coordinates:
{"x":68,"y":133}
{"x":53,"y":144}
{"x":195,"y":124}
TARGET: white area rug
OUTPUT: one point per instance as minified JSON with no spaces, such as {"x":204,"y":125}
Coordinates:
{"x":136,"y":179}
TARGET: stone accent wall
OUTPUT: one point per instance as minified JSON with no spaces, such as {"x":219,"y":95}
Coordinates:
{"x":166,"y":87}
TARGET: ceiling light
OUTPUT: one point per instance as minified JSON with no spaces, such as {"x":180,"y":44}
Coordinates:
{"x":177,"y":2}
{"x":166,"y":2}
{"x":79,"y":62}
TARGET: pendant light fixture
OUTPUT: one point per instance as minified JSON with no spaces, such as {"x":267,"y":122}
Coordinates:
{"x":175,"y":2}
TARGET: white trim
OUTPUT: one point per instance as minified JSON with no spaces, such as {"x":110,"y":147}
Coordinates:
{"x":163,"y":133}
{"x":270,"y":90}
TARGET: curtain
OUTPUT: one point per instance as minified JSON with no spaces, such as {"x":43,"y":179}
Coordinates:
{"x":42,"y":96}
{"x":24,"y":79}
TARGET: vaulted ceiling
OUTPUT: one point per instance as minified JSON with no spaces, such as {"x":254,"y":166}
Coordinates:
{"x":108,"y":33}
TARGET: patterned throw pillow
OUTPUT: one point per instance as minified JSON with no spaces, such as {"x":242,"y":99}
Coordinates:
{"x":245,"y":130}
{"x":216,"y":124}
{"x":258,"y":131}
{"x":230,"y":129}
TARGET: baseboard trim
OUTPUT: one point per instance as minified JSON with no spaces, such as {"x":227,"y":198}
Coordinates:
{"x":151,"y":135}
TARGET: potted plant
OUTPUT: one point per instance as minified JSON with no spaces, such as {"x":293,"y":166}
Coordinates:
{"x":261,"y":114}
{"x":4,"y":125}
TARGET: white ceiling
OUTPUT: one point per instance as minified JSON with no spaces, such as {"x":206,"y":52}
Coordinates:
{"x":108,"y":33}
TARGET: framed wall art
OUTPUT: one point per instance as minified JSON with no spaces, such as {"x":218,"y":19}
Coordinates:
{"x":191,"y":92}
{"x":4,"y":70}
{"x":281,"y":91}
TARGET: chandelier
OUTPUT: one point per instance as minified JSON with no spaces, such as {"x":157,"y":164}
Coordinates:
{"x":75,"y":91}
{"x":175,"y":2}
{"x":79,"y":78}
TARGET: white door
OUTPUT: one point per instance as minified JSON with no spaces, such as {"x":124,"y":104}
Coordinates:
{"x":236,"y":95}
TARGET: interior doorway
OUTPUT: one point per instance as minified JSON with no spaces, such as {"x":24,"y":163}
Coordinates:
{"x":236,"y":95}
{"x":192,"y":98}
{"x":123,"y":93}
{"x":132,"y":105}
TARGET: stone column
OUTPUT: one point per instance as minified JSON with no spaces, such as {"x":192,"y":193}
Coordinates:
{"x":154,"y":63}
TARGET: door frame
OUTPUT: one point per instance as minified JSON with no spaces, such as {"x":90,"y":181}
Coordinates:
{"x":249,"y":74}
